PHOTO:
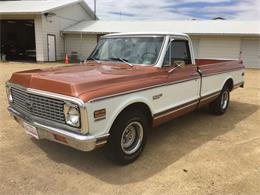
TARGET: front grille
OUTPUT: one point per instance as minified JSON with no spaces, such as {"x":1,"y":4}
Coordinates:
{"x":38,"y":106}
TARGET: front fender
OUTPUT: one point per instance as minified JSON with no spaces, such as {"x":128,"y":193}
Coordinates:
{"x":114,"y":106}
{"x":129,"y":101}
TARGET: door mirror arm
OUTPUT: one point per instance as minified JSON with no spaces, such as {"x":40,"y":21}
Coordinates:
{"x":174,"y":68}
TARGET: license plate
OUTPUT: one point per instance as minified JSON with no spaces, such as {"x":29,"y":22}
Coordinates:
{"x":31,"y":130}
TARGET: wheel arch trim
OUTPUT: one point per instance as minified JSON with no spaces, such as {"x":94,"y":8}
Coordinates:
{"x":229,"y":80}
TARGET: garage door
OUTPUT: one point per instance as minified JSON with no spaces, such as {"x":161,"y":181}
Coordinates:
{"x":250,"y":52}
{"x":219,"y":47}
{"x":17,"y":39}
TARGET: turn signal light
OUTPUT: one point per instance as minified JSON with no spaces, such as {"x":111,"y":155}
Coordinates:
{"x":60,"y":138}
{"x":100,"y":114}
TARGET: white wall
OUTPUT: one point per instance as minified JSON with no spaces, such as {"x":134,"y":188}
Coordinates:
{"x":250,"y":52}
{"x":63,"y":18}
{"x":247,"y":49}
{"x":196,"y":44}
{"x":219,"y":47}
{"x":39,"y":44}
{"x":83,"y":46}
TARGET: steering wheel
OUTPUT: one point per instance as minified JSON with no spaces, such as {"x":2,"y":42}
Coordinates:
{"x":149,"y":53}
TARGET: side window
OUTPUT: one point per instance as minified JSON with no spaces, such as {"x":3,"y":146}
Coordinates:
{"x":177,"y":51}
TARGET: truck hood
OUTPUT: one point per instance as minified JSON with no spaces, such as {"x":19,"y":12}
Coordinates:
{"x":88,"y":81}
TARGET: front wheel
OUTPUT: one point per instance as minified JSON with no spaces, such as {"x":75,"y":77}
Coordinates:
{"x":127,"y":137}
{"x":220,"y":105}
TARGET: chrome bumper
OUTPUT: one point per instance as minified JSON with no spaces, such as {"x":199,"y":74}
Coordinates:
{"x":77,"y":141}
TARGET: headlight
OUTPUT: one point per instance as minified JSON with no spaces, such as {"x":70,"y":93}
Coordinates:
{"x":72,"y":115}
{"x":9,"y":94}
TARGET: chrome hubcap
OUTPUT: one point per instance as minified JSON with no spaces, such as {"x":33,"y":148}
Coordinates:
{"x":132,"y":137}
{"x":224,"y":99}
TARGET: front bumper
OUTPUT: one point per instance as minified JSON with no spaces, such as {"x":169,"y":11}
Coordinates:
{"x":77,"y":141}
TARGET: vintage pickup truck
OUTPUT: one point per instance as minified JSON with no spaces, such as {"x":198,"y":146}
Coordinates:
{"x":130,"y":83}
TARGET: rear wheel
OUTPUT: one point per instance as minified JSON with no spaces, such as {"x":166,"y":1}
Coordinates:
{"x":220,"y":105}
{"x":127,"y":137}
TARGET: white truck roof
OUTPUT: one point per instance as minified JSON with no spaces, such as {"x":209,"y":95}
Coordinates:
{"x":147,"y":33}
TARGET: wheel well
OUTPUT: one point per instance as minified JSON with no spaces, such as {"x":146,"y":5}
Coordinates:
{"x":230,"y":84}
{"x":142,"y":107}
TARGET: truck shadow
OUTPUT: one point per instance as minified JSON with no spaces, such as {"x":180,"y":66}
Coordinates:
{"x":166,"y":145}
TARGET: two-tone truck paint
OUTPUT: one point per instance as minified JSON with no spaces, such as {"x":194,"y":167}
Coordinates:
{"x":130,"y":83}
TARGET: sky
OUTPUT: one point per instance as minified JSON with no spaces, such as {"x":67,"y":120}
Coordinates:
{"x":176,"y":10}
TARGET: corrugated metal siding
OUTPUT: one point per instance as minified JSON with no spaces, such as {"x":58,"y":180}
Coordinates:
{"x":38,"y":38}
{"x":84,"y":46}
{"x":54,"y":24}
{"x":219,"y":47}
{"x":250,"y":52}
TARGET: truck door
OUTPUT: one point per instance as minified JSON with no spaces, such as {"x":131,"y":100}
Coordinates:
{"x":181,"y":94}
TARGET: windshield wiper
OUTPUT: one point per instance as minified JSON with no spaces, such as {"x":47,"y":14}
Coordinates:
{"x":122,"y":60}
{"x":95,"y":59}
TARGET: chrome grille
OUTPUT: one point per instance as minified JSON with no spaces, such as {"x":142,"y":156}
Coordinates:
{"x":38,"y":106}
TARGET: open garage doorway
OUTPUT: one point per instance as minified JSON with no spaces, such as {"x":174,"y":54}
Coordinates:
{"x":18,"y":40}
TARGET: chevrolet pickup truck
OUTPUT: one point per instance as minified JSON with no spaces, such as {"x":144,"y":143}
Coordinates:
{"x":131,"y":83}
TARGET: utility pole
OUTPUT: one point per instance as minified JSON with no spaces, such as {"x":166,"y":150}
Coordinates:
{"x":95,"y":9}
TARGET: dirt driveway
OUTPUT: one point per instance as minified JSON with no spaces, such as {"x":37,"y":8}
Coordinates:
{"x":195,"y":154}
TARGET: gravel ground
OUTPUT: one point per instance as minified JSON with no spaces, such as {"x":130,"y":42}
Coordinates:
{"x":195,"y":154}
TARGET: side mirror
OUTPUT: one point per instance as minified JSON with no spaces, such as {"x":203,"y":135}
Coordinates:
{"x":177,"y":64}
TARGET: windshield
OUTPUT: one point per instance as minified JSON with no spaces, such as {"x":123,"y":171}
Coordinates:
{"x":134,"y":50}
